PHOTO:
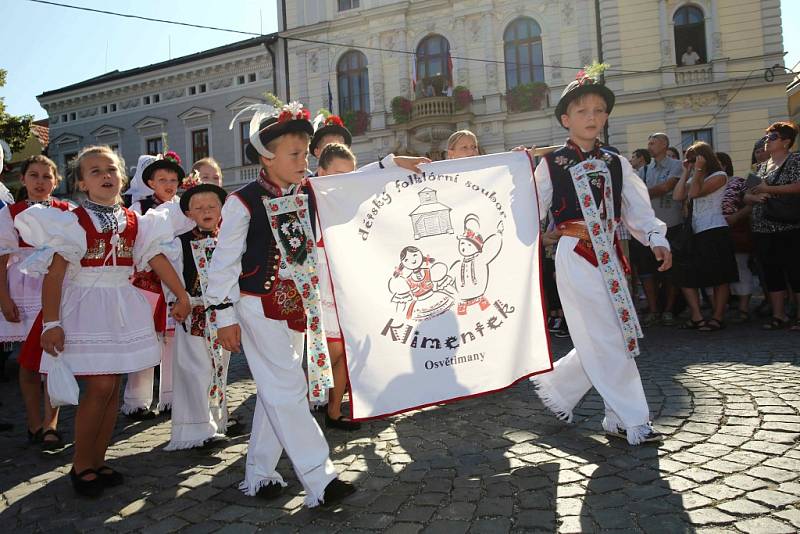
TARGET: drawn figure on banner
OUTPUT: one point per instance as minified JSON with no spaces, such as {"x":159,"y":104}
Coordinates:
{"x":421,"y":286}
{"x":471,"y":272}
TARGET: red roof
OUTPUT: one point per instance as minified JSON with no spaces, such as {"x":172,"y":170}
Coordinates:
{"x":42,"y":131}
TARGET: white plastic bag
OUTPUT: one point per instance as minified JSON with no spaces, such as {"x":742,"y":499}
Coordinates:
{"x":61,"y":383}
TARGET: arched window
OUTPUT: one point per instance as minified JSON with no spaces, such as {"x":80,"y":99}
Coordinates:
{"x":434,"y":67}
{"x":523,"y":49}
{"x":353,"y":81}
{"x":690,"y":36}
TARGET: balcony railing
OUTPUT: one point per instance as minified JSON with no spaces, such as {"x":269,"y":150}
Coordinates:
{"x":236,"y":176}
{"x":432,"y":106}
{"x":694,"y":74}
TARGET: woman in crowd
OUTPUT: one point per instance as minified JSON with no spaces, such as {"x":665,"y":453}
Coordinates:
{"x":737,"y":215}
{"x":776,"y":220}
{"x":710,"y":260}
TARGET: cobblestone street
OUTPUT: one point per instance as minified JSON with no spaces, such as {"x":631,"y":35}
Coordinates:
{"x":729,"y":403}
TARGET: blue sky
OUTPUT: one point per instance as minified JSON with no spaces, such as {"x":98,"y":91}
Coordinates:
{"x":47,"y":47}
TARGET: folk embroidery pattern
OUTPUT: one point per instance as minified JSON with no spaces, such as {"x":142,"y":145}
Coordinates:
{"x":291,"y":226}
{"x":602,"y":236}
{"x":201,"y":253}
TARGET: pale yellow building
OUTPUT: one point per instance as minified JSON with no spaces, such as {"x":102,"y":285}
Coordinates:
{"x":370,"y":51}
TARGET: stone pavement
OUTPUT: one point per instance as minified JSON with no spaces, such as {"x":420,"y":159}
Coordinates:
{"x":729,"y":403}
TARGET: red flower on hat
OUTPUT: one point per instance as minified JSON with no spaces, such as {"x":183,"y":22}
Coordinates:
{"x":334,"y":120}
{"x":173,"y":156}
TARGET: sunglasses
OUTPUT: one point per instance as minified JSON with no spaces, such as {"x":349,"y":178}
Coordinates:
{"x":772,"y":136}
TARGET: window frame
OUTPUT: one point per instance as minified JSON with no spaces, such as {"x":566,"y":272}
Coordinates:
{"x":692,"y":34}
{"x":425,"y":59}
{"x":348,"y":75}
{"x":200,"y":151}
{"x":159,"y":141}
{"x":534,"y":44}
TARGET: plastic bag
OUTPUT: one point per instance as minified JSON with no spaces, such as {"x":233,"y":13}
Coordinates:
{"x":61,"y":383}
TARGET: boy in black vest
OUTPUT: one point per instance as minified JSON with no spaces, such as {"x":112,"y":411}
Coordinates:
{"x":589,"y":190}
{"x":260,"y":309}
{"x":161,"y":174}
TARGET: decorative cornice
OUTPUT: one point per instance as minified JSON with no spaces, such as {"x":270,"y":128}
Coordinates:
{"x":196,"y":113}
{"x":220,"y":75}
{"x":150,"y":122}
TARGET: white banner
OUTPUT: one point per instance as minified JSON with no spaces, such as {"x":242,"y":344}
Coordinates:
{"x":436,"y":280}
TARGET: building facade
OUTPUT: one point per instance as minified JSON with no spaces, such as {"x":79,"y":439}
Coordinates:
{"x":409,"y":73}
{"x":185,"y":104}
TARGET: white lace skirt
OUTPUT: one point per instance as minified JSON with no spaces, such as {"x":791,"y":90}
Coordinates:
{"x":108,"y":324}
{"x":26,"y":292}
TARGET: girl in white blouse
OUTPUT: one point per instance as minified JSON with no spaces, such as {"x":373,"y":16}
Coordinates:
{"x":99,"y":324}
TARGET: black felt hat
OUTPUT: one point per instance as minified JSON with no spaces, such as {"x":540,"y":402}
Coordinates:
{"x":332,"y":125}
{"x":202,"y":188}
{"x":274,"y":127}
{"x":170,"y":161}
{"x":582,"y":86}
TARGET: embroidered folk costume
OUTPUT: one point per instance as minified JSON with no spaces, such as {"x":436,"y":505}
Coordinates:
{"x":589,"y":194}
{"x":25,"y":291}
{"x":200,"y":364}
{"x":254,"y":282}
{"x":138,"y":396}
{"x":100,"y":310}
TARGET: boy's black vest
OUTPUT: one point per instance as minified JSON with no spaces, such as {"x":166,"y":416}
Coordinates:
{"x":148,"y":203}
{"x":190,"y":277}
{"x":565,"y":205}
{"x":262,"y":259}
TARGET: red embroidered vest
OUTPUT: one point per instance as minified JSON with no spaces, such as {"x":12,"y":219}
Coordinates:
{"x":98,"y":245}
{"x":19,"y":207}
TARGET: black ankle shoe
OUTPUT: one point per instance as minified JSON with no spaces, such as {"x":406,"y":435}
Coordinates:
{"x":142,"y":414}
{"x":87,"y":488}
{"x":34,"y":438}
{"x":109,"y":477}
{"x":234,"y":428}
{"x":341,"y":423}
{"x":336,"y":490}
{"x":270,"y":491}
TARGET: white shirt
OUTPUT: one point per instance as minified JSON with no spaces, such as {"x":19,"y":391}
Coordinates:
{"x":707,"y":210}
{"x":690,"y":58}
{"x":637,"y":213}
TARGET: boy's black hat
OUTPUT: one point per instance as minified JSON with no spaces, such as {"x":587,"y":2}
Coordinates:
{"x":289,"y":121}
{"x":332,"y":125}
{"x":170,"y":161}
{"x":582,"y":85}
{"x":192,"y":186}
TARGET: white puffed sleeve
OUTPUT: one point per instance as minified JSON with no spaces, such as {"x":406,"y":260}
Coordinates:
{"x":544,"y":187}
{"x":180,"y":222}
{"x":9,"y":238}
{"x":637,"y":211}
{"x":50,"y":231}
{"x":386,"y":163}
{"x":154,"y":236}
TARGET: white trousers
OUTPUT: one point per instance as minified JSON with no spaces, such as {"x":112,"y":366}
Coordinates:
{"x":193,"y":418}
{"x":282,"y":419}
{"x":599,"y":358}
{"x":139,"y":388}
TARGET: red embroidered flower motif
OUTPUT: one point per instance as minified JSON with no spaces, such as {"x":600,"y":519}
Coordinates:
{"x":604,"y":258}
{"x":315,"y":279}
{"x":274,"y":207}
{"x":315,"y":391}
{"x":301,"y":213}
{"x":589,"y":166}
{"x":626,"y":316}
{"x":596,"y":229}
{"x":587,"y":201}
{"x":299,"y":201}
{"x":274,"y":224}
{"x":631,"y":344}
{"x":615,"y":286}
